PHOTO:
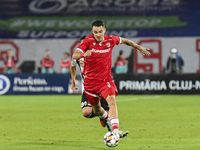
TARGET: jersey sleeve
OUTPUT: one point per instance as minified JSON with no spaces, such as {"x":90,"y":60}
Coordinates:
{"x":83,"y":46}
{"x":116,"y":39}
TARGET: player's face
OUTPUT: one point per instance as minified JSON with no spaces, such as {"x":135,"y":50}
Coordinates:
{"x":9,"y":53}
{"x":48,"y":53}
{"x":98,"y":33}
{"x":66,"y":56}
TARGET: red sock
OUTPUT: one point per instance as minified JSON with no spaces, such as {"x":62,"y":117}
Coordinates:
{"x":104,"y":116}
{"x":115,"y":123}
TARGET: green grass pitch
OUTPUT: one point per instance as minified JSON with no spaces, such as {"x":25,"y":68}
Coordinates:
{"x":156,"y":122}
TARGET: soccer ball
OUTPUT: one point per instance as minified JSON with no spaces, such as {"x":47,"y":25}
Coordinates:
{"x":111,"y":139}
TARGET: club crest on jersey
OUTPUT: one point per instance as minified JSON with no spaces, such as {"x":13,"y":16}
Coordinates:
{"x":108,"y":44}
{"x":94,"y":43}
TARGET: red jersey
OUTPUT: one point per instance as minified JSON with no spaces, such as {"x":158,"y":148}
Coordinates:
{"x":120,"y":62}
{"x":47,"y":63}
{"x":100,"y":62}
{"x":65,"y":63}
{"x":10,"y":62}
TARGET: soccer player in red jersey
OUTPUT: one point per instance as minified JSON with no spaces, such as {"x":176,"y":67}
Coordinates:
{"x":86,"y":107}
{"x":97,"y":50}
{"x":10,"y":63}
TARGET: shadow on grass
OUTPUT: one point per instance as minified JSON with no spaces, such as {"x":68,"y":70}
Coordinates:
{"x":64,"y":144}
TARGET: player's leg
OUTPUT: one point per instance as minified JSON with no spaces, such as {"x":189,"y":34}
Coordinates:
{"x":110,"y":98}
{"x":86,"y":108}
{"x":88,"y":112}
{"x":114,"y":116}
{"x":99,"y":110}
{"x":10,"y":71}
{"x":105,"y":106}
{"x":103,"y":115}
{"x":112,"y":103}
{"x":44,"y":70}
{"x":109,"y":91}
{"x":50,"y":70}
{"x":94,"y":100}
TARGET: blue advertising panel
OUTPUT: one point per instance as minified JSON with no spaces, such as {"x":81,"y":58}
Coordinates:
{"x":34,"y":19}
{"x":158,"y":83}
{"x":34,"y":84}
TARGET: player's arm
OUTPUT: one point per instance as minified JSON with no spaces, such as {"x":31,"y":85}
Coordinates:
{"x":142,"y":50}
{"x":16,"y":68}
{"x":5,"y":68}
{"x":78,"y":54}
{"x":73,"y":75}
{"x":124,"y":60}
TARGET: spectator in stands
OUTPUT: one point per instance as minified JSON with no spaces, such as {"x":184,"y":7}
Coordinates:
{"x":47,"y":63}
{"x":175,"y":62}
{"x":120,"y":63}
{"x":65,"y":64}
{"x":10,"y":63}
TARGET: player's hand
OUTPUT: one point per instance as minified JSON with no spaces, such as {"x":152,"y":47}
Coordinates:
{"x":145,"y":51}
{"x":88,"y":53}
{"x":74,"y":88}
{"x":81,"y":62}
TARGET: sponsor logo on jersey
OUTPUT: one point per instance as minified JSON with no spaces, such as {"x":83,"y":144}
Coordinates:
{"x":101,"y":51}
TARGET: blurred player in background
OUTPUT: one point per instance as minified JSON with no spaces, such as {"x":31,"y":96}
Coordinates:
{"x":86,"y":107}
{"x":97,"y":50}
{"x":65,"y":64}
{"x":10,"y":63}
{"x":47,"y":63}
{"x":120,"y":63}
{"x":175,"y":62}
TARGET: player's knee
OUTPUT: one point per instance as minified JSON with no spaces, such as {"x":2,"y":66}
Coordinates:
{"x":111,"y":101}
{"x":86,"y":111}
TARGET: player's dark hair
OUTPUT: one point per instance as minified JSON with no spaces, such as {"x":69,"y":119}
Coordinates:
{"x":98,"y":23}
{"x":83,"y":37}
{"x":66,"y":53}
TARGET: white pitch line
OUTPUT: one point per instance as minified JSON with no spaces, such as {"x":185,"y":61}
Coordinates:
{"x":138,"y":98}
